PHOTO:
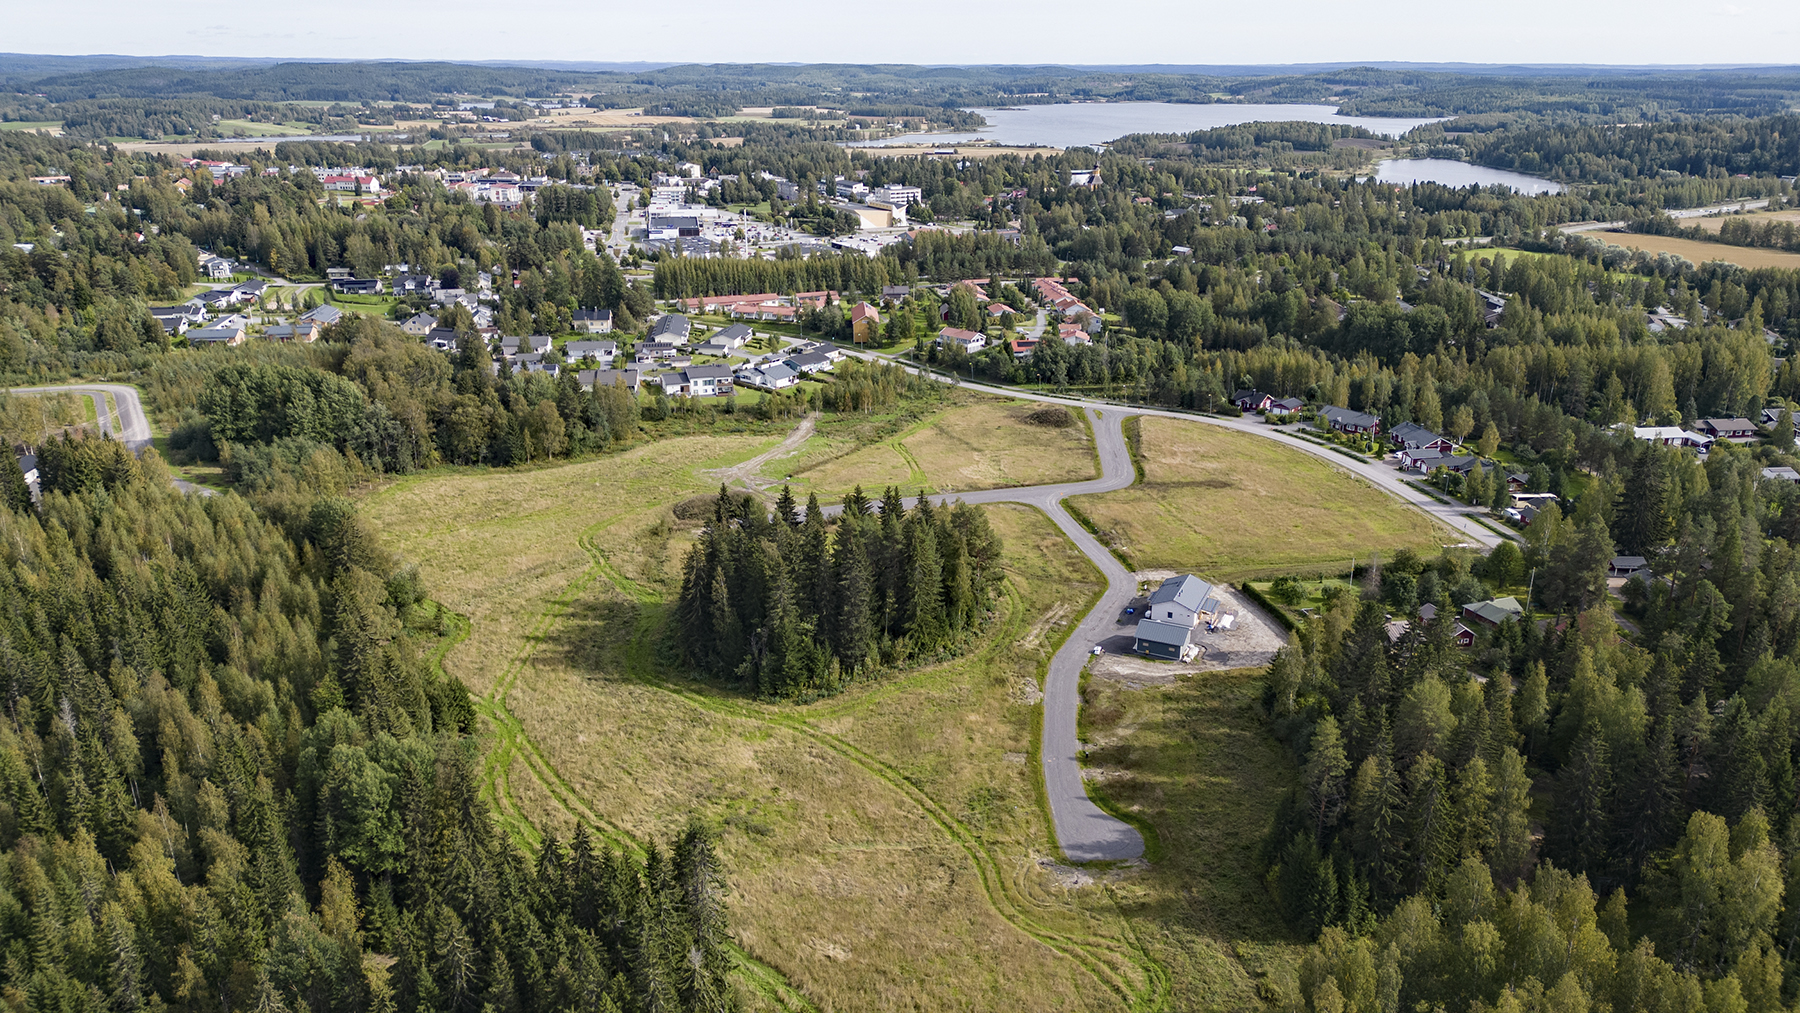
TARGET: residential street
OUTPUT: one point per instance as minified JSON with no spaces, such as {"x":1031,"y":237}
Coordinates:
{"x":130,"y":425}
{"x":1084,"y":831}
{"x":1384,"y":477}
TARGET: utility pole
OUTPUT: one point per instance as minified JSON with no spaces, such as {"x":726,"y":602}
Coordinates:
{"x":1529,"y":588}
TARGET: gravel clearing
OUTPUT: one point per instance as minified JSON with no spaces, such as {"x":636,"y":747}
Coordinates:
{"x":1251,"y":642}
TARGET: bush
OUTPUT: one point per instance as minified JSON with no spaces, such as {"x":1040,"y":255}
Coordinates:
{"x":1287,"y":590}
{"x":1052,"y":416}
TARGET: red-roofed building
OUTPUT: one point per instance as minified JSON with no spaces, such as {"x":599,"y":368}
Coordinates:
{"x":865,"y":323}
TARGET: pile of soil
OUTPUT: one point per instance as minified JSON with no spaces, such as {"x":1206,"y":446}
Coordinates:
{"x":1054,"y":416}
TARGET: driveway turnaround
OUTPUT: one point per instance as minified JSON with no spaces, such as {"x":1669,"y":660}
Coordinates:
{"x":129,"y":425}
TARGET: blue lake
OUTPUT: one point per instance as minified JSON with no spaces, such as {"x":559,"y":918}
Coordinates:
{"x":1089,"y":124}
{"x":1453,"y":173}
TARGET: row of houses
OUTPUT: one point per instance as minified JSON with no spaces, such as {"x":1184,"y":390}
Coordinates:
{"x":1057,"y":298}
{"x":1706,"y":432}
{"x":234,"y":330}
{"x":761,"y":305}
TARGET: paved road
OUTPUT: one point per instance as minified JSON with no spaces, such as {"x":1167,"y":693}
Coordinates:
{"x":129,"y":425}
{"x":1388,"y":479}
{"x":1085,"y":832}
{"x":1678,"y":213}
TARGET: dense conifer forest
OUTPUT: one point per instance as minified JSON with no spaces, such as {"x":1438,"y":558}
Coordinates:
{"x":790,"y":606}
{"x":229,"y":781}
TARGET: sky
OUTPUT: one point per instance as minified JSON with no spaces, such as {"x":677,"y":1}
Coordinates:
{"x":1635,"y":32}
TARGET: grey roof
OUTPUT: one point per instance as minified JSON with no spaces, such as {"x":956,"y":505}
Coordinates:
{"x":1347,"y":417}
{"x":708,"y":372}
{"x":1498,"y":610}
{"x":1158,"y":632}
{"x":673,"y":323}
{"x":1187,"y":590}
{"x":1413,"y":434}
{"x":323,"y":314}
{"x":814,"y":359}
{"x":581,"y":349}
{"x":737,"y":331}
{"x":1629,"y":562}
{"x":582,"y":316}
{"x":608,"y":377}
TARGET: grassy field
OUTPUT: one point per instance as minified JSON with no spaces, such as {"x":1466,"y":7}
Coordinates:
{"x":886,"y":848}
{"x":974,"y":443}
{"x":255,"y":128}
{"x":1714,"y":224}
{"x":1701,"y":252}
{"x":1229,"y":505}
{"x":31,"y":125}
{"x":1193,"y":758}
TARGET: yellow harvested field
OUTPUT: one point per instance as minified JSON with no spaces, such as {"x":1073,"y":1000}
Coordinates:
{"x":574,"y":119}
{"x":1229,"y":505}
{"x":1714,"y":224}
{"x":1700,"y":252}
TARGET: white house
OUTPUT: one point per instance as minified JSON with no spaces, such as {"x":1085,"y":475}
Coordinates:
{"x":602,"y":351}
{"x":968,"y":341}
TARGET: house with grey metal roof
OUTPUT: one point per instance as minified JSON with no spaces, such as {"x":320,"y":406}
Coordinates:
{"x":1495,"y":612}
{"x":1346,"y":421}
{"x":1174,"y":610}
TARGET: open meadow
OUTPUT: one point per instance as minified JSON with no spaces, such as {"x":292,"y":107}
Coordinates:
{"x":887,"y":848}
{"x":971,"y":443}
{"x":1228,"y":505}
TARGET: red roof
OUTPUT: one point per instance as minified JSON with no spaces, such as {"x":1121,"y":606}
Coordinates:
{"x":863,"y":311}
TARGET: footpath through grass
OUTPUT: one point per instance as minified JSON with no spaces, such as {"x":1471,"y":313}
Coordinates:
{"x":886,"y":846}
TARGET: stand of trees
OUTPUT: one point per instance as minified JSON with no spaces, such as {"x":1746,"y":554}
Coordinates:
{"x":1659,"y":769}
{"x":790,"y":606}
{"x":227,"y":778}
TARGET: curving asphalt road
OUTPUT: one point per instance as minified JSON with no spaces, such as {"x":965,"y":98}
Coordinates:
{"x":1085,"y":832}
{"x":1453,"y":515}
{"x":129,"y":424}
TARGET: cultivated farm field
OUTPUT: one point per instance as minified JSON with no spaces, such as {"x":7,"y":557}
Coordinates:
{"x":1227,"y":505}
{"x":886,"y":848}
{"x":1700,"y":252}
